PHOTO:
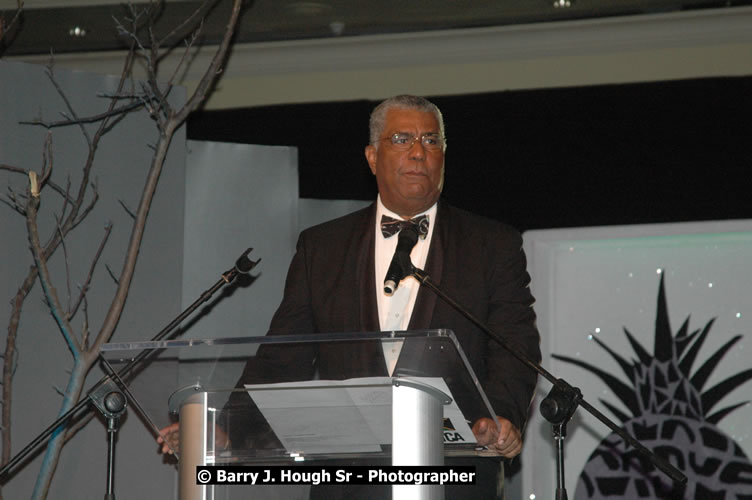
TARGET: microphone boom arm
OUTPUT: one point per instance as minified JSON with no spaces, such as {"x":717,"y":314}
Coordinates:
{"x":242,"y":266}
{"x":571,"y":394}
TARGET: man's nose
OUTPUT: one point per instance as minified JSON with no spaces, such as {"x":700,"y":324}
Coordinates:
{"x":417,"y":150}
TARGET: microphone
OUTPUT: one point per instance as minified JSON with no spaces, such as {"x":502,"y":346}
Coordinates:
{"x":244,"y":264}
{"x":401,"y":266}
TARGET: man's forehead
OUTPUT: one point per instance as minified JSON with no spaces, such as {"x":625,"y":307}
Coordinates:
{"x":405,"y":119}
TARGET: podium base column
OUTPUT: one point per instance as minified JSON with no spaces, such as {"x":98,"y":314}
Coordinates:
{"x":192,"y":446}
{"x":417,"y":437}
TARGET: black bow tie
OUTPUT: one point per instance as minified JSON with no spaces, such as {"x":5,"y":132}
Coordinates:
{"x":391,"y":226}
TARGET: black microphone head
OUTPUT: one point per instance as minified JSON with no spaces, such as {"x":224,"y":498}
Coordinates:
{"x":390,"y":286}
{"x":244,"y":264}
{"x":401,"y":265}
{"x":407,"y":238}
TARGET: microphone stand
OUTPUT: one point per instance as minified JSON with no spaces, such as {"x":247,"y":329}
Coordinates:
{"x":105,"y":394}
{"x":111,"y":402}
{"x":561,"y":403}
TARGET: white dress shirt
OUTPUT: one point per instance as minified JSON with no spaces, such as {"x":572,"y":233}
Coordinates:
{"x":395,"y":311}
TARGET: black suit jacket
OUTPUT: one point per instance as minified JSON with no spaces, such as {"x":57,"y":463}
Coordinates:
{"x":331,"y":287}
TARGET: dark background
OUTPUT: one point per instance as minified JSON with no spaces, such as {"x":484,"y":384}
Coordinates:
{"x":569,"y":157}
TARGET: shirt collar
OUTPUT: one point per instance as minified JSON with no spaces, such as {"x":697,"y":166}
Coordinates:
{"x":382,"y":210}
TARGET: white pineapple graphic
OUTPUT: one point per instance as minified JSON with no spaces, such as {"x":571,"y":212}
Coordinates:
{"x":671,"y":415}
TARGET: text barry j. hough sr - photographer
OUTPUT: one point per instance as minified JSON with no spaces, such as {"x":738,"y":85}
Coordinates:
{"x":335,"y":475}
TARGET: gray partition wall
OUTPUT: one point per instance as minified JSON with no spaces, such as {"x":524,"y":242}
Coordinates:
{"x":26,"y":93}
{"x":240,"y":196}
{"x":214,"y":201}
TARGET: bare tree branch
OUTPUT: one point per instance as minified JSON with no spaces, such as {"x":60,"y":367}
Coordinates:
{"x":85,"y":325}
{"x":197,"y":16}
{"x":115,"y":113}
{"x":215,"y":67}
{"x":90,"y":206}
{"x":154,"y":97}
{"x":189,"y":43}
{"x":67,"y":267}
{"x":47,"y":161}
{"x":172,"y":124}
{"x":71,"y":222}
{"x":8,"y":30}
{"x":50,"y":75}
{"x":13,"y":203}
{"x":10,"y":357}
{"x":77,"y":425}
{"x":63,"y":192}
{"x":112,"y":274}
{"x":127,"y":210}
{"x":64,"y":208}
{"x":50,"y":293}
{"x":85,"y":287}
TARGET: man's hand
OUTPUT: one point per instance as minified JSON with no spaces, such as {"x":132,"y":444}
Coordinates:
{"x":169,"y":438}
{"x":507,"y":442}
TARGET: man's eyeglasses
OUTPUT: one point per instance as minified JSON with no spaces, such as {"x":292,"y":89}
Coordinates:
{"x":403,"y":141}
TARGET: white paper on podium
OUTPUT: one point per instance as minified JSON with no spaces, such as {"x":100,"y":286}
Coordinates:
{"x":340,"y":416}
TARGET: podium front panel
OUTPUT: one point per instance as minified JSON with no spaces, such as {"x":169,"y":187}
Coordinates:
{"x":267,"y":401}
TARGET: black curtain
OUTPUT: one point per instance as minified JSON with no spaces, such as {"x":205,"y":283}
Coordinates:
{"x":582,"y":156}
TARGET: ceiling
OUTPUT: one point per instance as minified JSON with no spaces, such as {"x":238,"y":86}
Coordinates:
{"x":67,"y":26}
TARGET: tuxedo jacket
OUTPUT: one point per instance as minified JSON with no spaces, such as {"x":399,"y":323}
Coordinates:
{"x":331,"y":287}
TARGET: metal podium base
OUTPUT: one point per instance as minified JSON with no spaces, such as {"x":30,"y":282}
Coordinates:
{"x":417,"y":437}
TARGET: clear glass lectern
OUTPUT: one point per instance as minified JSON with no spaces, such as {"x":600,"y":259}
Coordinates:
{"x":261,"y":400}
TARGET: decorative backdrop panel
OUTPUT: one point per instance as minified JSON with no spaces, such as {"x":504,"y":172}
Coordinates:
{"x":651,"y":323}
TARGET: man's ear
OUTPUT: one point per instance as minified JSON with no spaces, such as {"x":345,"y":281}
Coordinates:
{"x":371,"y":155}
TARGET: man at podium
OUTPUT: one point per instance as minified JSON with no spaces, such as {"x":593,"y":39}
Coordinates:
{"x":336,"y":283}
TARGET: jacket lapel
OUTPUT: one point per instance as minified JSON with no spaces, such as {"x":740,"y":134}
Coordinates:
{"x":366,"y":288}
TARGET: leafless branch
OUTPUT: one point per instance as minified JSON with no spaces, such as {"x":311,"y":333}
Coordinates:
{"x":10,"y":168}
{"x":47,"y":161}
{"x":117,"y":112}
{"x":13,"y":202}
{"x":67,"y":265}
{"x":113,"y":111}
{"x":174,"y":121}
{"x":215,"y":67}
{"x":127,"y":210}
{"x":51,"y":76}
{"x":139,"y":17}
{"x":85,"y":287}
{"x":131,"y":35}
{"x":78,"y":424}
{"x":90,"y":206}
{"x":85,"y":326}
{"x":64,"y":208}
{"x":198,"y":15}
{"x":165,"y":110}
{"x":50,"y":293}
{"x":155,"y":98}
{"x":74,"y":217}
{"x":189,"y":43}
{"x":112,"y":274}
{"x":12,"y":206}
{"x":118,"y":117}
{"x":8,"y":30}
{"x":10,"y":357}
